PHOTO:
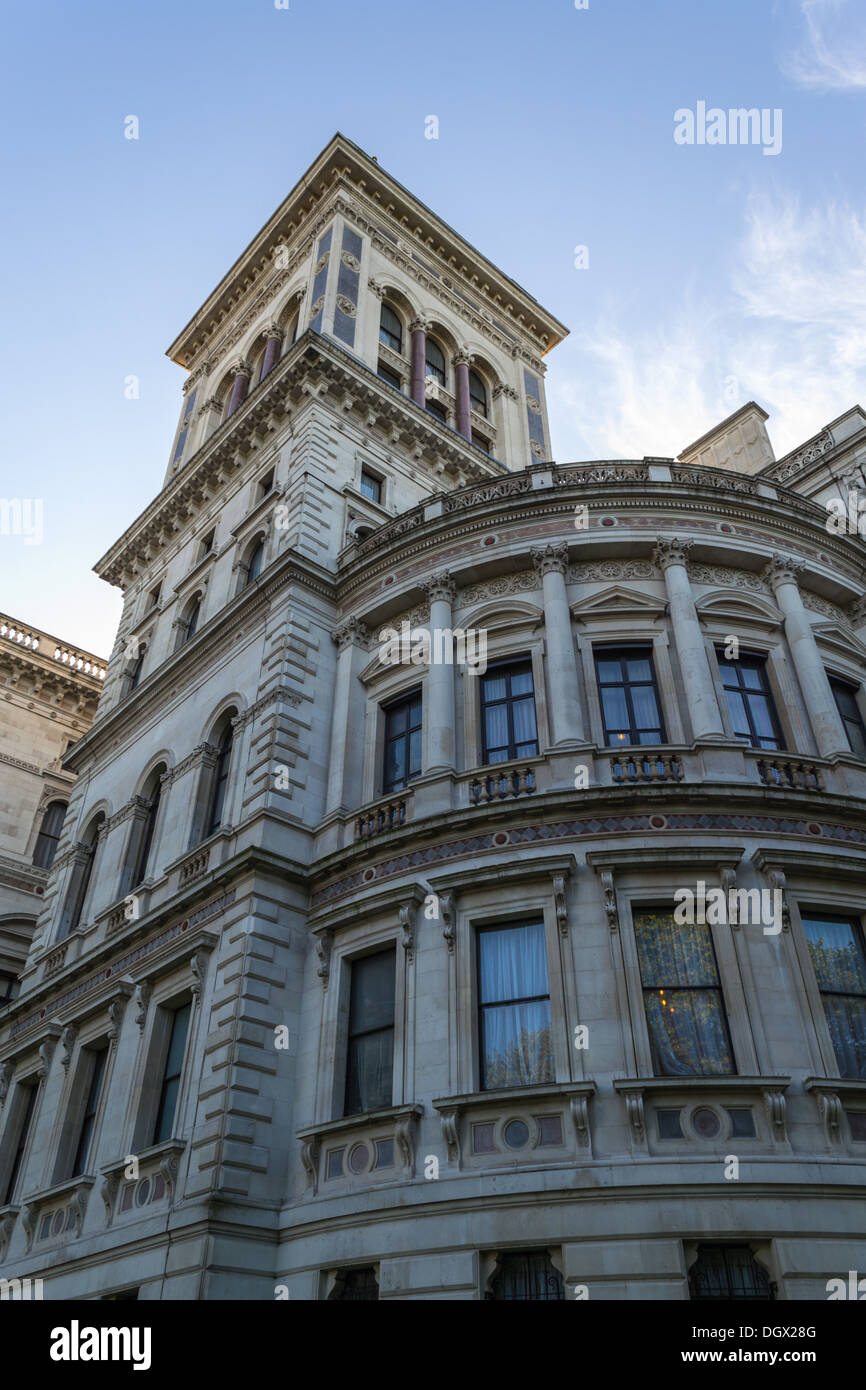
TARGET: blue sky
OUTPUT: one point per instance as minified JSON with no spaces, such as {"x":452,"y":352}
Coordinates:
{"x":716,"y":273}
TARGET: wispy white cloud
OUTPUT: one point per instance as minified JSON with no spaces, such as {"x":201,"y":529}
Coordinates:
{"x":831,"y":54}
{"x":787,"y":329}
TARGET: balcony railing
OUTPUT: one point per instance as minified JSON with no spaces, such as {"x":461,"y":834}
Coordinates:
{"x":388,"y":815}
{"x":645,"y":767}
{"x":501,"y":786}
{"x":792,"y":773}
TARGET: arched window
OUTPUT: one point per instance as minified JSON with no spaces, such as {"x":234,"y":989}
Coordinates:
{"x":189,"y":622}
{"x":220,"y":779}
{"x":390,"y":329}
{"x":253,"y":567}
{"x":477,"y":394}
{"x":49,"y":834}
{"x":81,"y":882}
{"x":135,"y":669}
{"x":435,"y":361}
{"x":145,"y":843}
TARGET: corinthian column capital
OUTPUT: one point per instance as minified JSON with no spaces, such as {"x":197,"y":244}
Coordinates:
{"x":551,"y":559}
{"x":670,"y":550}
{"x":441,"y":586}
{"x":351,"y":633}
{"x":782,"y":569}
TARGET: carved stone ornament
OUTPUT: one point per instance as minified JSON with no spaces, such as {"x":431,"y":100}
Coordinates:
{"x":5,"y":1077}
{"x":776,"y":1109}
{"x":580,"y":1118}
{"x":609,"y":893}
{"x":560,"y":883}
{"x":351,"y":633}
{"x":310,"y":1160}
{"x":782,"y":569}
{"x":778,"y":883}
{"x":552,"y":559}
{"x":67,"y":1042}
{"x":143,"y":994}
{"x":670,"y":550}
{"x":108,"y":1192}
{"x":408,"y":919}
{"x":448,"y":919}
{"x":441,"y":587}
{"x":324,"y":946}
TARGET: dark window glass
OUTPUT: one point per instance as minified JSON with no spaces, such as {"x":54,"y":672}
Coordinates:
{"x":845,"y":696}
{"x":220,"y":781}
{"x":355,"y":1286}
{"x":753,"y":713}
{"x":370,"y":1053}
{"x":629,"y":698}
{"x":191,"y":624}
{"x":526,"y":1276}
{"x":29,"y":1101}
{"x":392,"y":378}
{"x":437,"y":408}
{"x":7,"y":983}
{"x":728,"y":1272}
{"x":83,"y":884}
{"x":49,"y":834}
{"x":514,"y":1000}
{"x":682,"y":994}
{"x":266,"y":483}
{"x":477,"y":393}
{"x":371,"y":487}
{"x":402,"y":742}
{"x":171,"y":1075}
{"x":147,"y":833}
{"x":254,"y":563}
{"x":135,"y":673}
{"x":435,"y":364}
{"x":390,"y":329}
{"x":207,"y":543}
{"x":836,"y":948}
{"x":508,"y":713}
{"x":88,"y":1119}
{"x":480,"y":442}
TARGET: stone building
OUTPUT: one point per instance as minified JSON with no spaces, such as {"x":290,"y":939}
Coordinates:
{"x":50,"y":691}
{"x":534,"y":976}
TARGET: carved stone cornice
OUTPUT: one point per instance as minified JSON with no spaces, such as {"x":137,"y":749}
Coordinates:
{"x":552,"y":559}
{"x":670,"y":550}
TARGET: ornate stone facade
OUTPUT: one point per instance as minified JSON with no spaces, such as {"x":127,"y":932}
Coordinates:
{"x":268,"y":807}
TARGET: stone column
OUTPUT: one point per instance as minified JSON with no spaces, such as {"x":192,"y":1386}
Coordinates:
{"x":347,"y":719}
{"x":272,"y":348}
{"x":704,"y":713}
{"x":830,"y":736}
{"x":566,"y":722}
{"x":461,"y":374}
{"x":240,"y":386}
{"x":419,"y":361}
{"x":439,"y":702}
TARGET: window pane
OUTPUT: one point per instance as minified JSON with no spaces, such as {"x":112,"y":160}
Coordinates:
{"x":752,"y":677}
{"x":524,"y":721}
{"x":615,"y":707}
{"x":370,"y":1069}
{"x":372,"y":1001}
{"x":496,"y":726}
{"x":610,"y":671}
{"x":494,"y":688}
{"x":737,"y":710}
{"x":670,"y":954}
{"x":414,"y":753}
{"x":646,"y":712}
{"x":513,"y":963}
{"x":516,"y":1045}
{"x":688,"y":1033}
{"x":761,"y":716}
{"x":396,"y":720}
{"x":521,"y":683}
{"x":837,"y":955}
{"x":639,"y":669}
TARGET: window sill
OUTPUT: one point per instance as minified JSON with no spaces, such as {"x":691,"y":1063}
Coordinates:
{"x":498,"y":1107}
{"x":770,"y":1088}
{"x":397,"y":1123}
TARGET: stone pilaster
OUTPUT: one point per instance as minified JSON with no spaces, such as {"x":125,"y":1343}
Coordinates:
{"x":347,"y":719}
{"x":439,"y":712}
{"x":551,"y":563}
{"x":782,"y":575}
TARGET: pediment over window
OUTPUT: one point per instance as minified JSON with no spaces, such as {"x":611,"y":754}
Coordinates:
{"x":738,"y":605}
{"x":832,"y":637}
{"x":618,"y":601}
{"x":499,"y":614}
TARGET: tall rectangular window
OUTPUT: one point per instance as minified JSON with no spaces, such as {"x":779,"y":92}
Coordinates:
{"x":171,"y":1075}
{"x":26,"y":1105}
{"x":514,"y":1006}
{"x":750,"y":703}
{"x":370,"y":1053}
{"x":402,"y":742}
{"x":371,"y":486}
{"x":845,"y":696}
{"x":836,"y":948}
{"x":728,"y":1272}
{"x":629,"y":699}
{"x":685,"y":1009}
{"x":91,"y":1105}
{"x":508,"y":713}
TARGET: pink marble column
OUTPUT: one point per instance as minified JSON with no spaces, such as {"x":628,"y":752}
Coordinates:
{"x":419,"y":361}
{"x":461,"y":372}
{"x":240,"y":386}
{"x":272,"y":350}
